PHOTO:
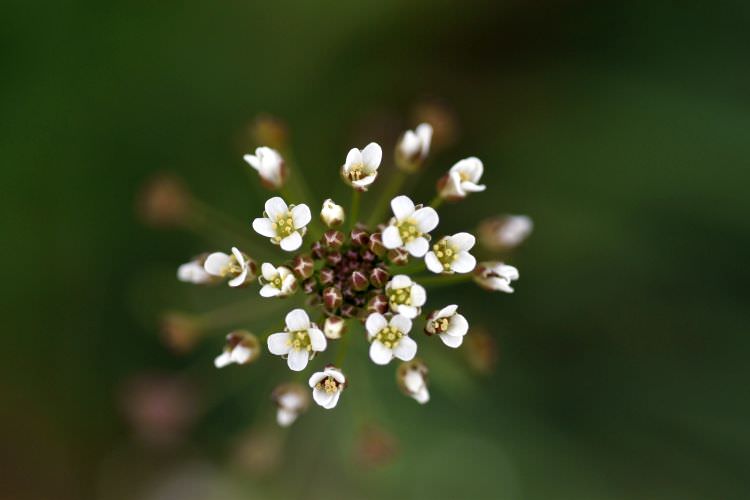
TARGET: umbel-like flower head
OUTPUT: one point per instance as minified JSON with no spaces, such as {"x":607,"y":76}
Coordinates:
{"x":285,"y":225}
{"x":355,"y":275}
{"x":361,"y":167}
{"x":300,"y":342}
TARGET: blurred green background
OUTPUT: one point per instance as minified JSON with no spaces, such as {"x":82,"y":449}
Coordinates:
{"x":622,"y":128}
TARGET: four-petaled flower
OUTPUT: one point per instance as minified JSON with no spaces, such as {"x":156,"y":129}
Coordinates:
{"x":291,"y":400}
{"x":300,"y":342}
{"x":448,"y":325}
{"x":451,"y":255}
{"x":462,"y":179}
{"x":389,"y":339}
{"x":405,"y":297}
{"x":412,"y":379}
{"x":495,"y":276}
{"x":413,"y":147}
{"x":327,"y":386}
{"x":270,"y":166}
{"x":238,"y":266}
{"x":361,"y":167}
{"x":410,"y":226}
{"x":285,"y":225}
{"x":277,"y":281}
{"x":242,"y":348}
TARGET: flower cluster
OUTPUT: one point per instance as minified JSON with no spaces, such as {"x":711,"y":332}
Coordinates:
{"x":373,"y":278}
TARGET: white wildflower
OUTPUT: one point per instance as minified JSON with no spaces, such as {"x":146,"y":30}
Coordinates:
{"x":361,"y":167}
{"x":410,"y":226}
{"x":496,"y":276}
{"x":270,"y":166}
{"x":300,"y":342}
{"x":413,"y":147}
{"x":451,"y":255}
{"x":277,"y":281}
{"x":462,"y":179}
{"x":412,"y":379}
{"x":242,"y":347}
{"x":237,"y":266}
{"x":285,"y":225}
{"x":447,"y":324}
{"x":389,"y":339}
{"x":327,"y":386}
{"x":405,"y":297}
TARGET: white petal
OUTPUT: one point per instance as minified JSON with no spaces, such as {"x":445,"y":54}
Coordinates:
{"x":239,"y":280}
{"x":472,"y":188}
{"x":239,"y":257}
{"x":463,"y":241}
{"x":264,"y":227}
{"x":371,"y":155}
{"x":287,"y":285}
{"x":400,"y":281}
{"x":464,"y":263}
{"x":446,"y":312}
{"x":301,"y":216}
{"x":317,"y":340}
{"x":406,"y":349}
{"x":285,"y":417}
{"x":407,"y":311}
{"x":223,"y":360}
{"x":427,"y":219}
{"x":433,"y":263}
{"x":323,"y":398}
{"x":365,"y":181}
{"x":269,"y":291}
{"x":336,"y":374}
{"x":413,"y":380}
{"x":392,"y":238}
{"x":279,"y":343}
{"x":252,"y":160}
{"x":276,"y":207}
{"x":353,"y":157}
{"x":418,"y":295}
{"x":402,"y":323}
{"x":402,"y":207}
{"x":450,"y":340}
{"x":418,"y":247}
{"x":375,"y":322}
{"x":500,"y":284}
{"x":297,"y":359}
{"x":424,"y":131}
{"x":240,"y":354}
{"x":422,"y":396}
{"x":458,"y":326}
{"x":297,"y":320}
{"x":410,"y":144}
{"x":315,"y":378}
{"x":291,"y":400}
{"x":380,"y":354}
{"x":268,"y":271}
{"x":216,"y":263}
{"x":291,"y":242}
{"x":333,"y":401}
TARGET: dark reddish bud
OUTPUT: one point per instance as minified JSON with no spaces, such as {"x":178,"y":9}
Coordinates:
{"x":333,"y":239}
{"x":398,"y":256}
{"x":302,"y":265}
{"x":334,"y":258}
{"x":318,"y":250}
{"x":376,"y":244}
{"x":309,"y":286}
{"x":379,"y":277}
{"x":326,"y":276}
{"x":351,"y":255}
{"x":359,"y":281}
{"x":349,"y":311}
{"x":332,"y":298}
{"x":368,"y":256}
{"x":378,"y":303}
{"x":349,"y":293}
{"x":359,"y":237}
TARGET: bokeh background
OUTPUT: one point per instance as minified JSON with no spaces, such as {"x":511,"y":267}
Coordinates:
{"x":622,"y":128}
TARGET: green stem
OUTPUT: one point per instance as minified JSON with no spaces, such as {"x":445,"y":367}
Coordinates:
{"x":354,"y":209}
{"x":381,"y":208}
{"x":437,"y":201}
{"x":439,"y":280}
{"x":237,"y":312}
{"x":343,"y":347}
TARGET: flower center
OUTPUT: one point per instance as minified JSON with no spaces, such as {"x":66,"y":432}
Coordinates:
{"x":441,"y":325}
{"x":446,"y":253}
{"x":300,"y":340}
{"x":464,"y":176}
{"x":357,"y":172}
{"x":408,"y":231}
{"x":284,"y":226}
{"x":233,"y":267}
{"x":328,"y":385}
{"x":389,"y":336}
{"x":276,"y":282}
{"x":400,"y":296}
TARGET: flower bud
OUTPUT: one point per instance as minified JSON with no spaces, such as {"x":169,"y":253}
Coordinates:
{"x":376,"y":244}
{"x":292,"y":400}
{"x":333,"y":239}
{"x":242,"y":347}
{"x":326,"y":276}
{"x":413,"y":147}
{"x":359,"y":281}
{"x":334,"y":327}
{"x":461,"y":180}
{"x":412,"y":380}
{"x":359,"y":237}
{"x":379,"y":277}
{"x":398,"y":256}
{"x":303,"y":266}
{"x":368,"y":256}
{"x":349,"y":311}
{"x":378,"y":304}
{"x":318,"y":250}
{"x":332,"y":298}
{"x":495,"y":276}
{"x":164,"y":201}
{"x":309,"y":286}
{"x":332,"y":214}
{"x":333,"y":258}
{"x":504,"y":232}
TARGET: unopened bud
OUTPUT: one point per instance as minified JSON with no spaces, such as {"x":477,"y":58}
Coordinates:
{"x":359,"y":281}
{"x":378,"y":304}
{"x":379,"y":277}
{"x":504,"y":232}
{"x":303,"y":266}
{"x":349,"y":311}
{"x":333,"y":239}
{"x":398,"y":256}
{"x":309,"y":286}
{"x":413,"y":147}
{"x":332,"y":298}
{"x":359,"y":237}
{"x":326,"y":276}
{"x":318,"y":250}
{"x":376,"y":244}
{"x":412,"y":380}
{"x":242,"y":347}
{"x":332,"y":214}
{"x":333,"y":258}
{"x":334,"y":327}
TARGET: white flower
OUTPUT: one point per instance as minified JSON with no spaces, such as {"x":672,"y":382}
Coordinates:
{"x":413,"y":147}
{"x":242,"y":348}
{"x":451,"y":255}
{"x":285,"y":225}
{"x":505,"y":231}
{"x":238,"y":266}
{"x":291,"y":400}
{"x":270,"y":166}
{"x":410,"y":226}
{"x":462,"y":179}
{"x":412,"y":379}
{"x":389,"y":339}
{"x":361,"y":167}
{"x":193,"y":272}
{"x":332,"y":214}
{"x":448,"y":325}
{"x":405,"y":297}
{"x":277,"y":281}
{"x":496,"y":276}
{"x":327,"y":386}
{"x":299,"y":342}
